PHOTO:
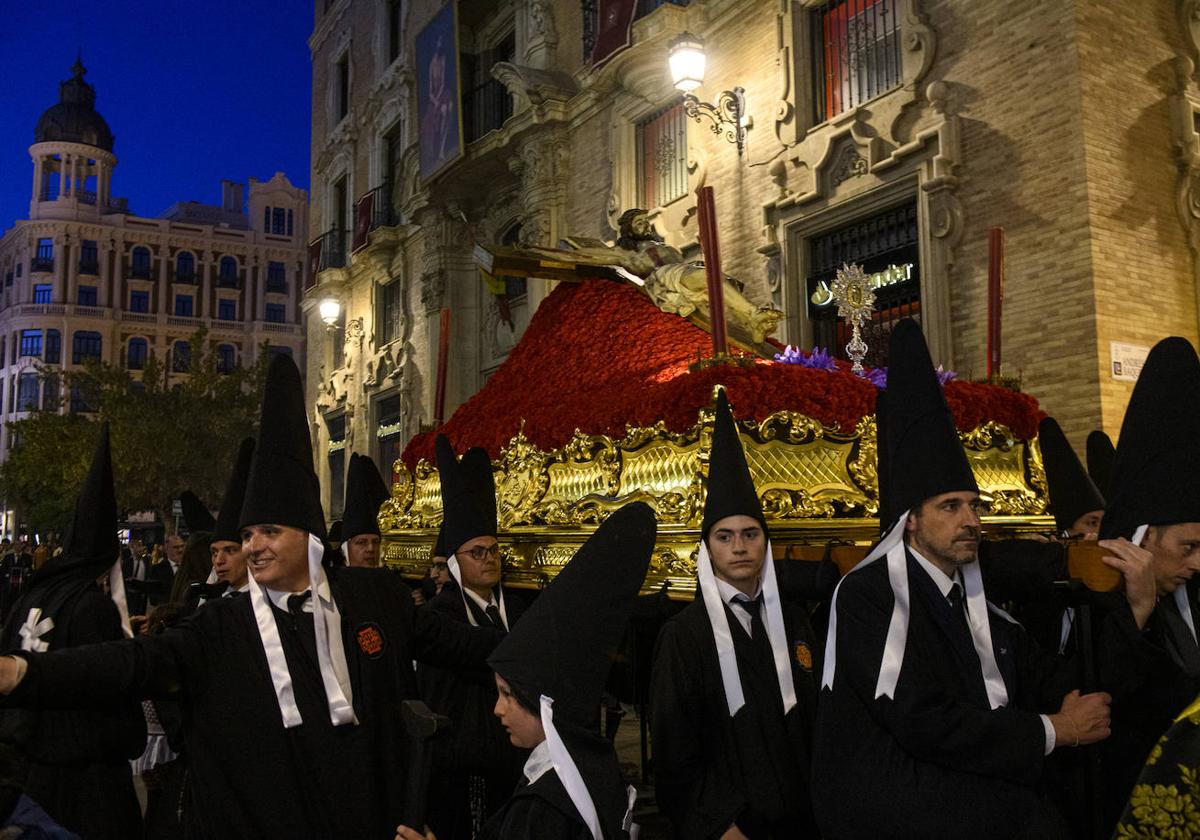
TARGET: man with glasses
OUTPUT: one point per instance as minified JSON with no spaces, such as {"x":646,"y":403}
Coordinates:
{"x":477,"y":767}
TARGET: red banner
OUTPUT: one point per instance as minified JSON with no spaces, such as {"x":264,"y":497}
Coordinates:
{"x":615,"y":19}
{"x":314,"y":262}
{"x":362,"y":220}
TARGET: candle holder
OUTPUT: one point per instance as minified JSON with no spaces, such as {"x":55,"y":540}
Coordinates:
{"x":856,"y":301}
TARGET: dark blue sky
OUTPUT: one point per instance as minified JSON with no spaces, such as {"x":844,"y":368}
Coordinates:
{"x":194,"y":92}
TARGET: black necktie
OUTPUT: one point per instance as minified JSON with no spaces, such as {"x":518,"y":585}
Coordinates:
{"x":296,"y":603}
{"x":493,"y":613}
{"x":959,"y":604}
{"x":758,"y":631}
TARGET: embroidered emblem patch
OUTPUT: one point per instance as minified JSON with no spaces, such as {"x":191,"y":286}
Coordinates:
{"x":370,"y":640}
{"x":803,"y":656}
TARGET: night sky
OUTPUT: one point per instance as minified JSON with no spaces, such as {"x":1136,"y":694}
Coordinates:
{"x":193,"y":92}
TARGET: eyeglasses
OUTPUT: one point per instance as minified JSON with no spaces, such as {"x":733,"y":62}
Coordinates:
{"x":481,"y":553}
{"x":440,"y":567}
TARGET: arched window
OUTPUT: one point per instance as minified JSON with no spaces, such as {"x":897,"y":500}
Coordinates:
{"x":139,"y":267}
{"x":228,"y":274}
{"x":181,"y":357}
{"x":85,"y":345}
{"x":226,"y":358}
{"x":185,"y":267}
{"x":136,"y":354}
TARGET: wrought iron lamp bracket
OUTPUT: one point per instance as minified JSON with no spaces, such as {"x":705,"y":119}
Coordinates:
{"x":726,"y":117}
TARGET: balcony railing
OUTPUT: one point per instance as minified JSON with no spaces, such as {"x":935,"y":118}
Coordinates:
{"x":89,"y":266}
{"x":374,"y":210}
{"x":278,"y":287}
{"x":41,"y":264}
{"x":326,"y":251}
{"x":138,"y":272}
{"x":591,"y":19}
{"x":85,"y":197}
{"x":485,"y":108}
{"x":188,"y":277}
{"x":224,"y":281}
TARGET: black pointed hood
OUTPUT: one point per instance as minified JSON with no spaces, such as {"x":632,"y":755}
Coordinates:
{"x":462,"y":519}
{"x":1072,"y":493}
{"x":90,"y":544}
{"x":731,"y":490}
{"x":887,"y":511}
{"x":226,"y":527}
{"x":1100,"y":453}
{"x":196,"y":515}
{"x":564,"y":643}
{"x":475,"y":466}
{"x":439,"y":544}
{"x":1158,"y":453}
{"x":282,"y":488}
{"x":925,"y":456}
{"x":365,"y":492}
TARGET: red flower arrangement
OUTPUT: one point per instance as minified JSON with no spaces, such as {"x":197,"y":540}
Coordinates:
{"x":598,"y":356}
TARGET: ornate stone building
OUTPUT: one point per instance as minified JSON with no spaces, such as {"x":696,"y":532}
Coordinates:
{"x":84,"y":277}
{"x":892,"y":133}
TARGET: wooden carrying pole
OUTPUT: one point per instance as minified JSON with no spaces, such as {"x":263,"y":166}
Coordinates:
{"x":995,"y":300}
{"x":712,"y":268}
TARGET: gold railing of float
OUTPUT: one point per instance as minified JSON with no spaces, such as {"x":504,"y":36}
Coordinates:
{"x":817,"y":485}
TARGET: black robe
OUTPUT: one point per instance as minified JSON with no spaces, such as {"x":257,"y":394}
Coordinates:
{"x":540,"y":811}
{"x":79,"y":760}
{"x":937,"y":761}
{"x":711,"y":770}
{"x":252,"y":777}
{"x":477,"y":743}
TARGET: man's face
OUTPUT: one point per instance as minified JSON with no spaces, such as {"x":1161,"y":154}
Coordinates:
{"x":738,"y":547}
{"x":945,"y":529}
{"x":1176,"y":550}
{"x":439,"y":572}
{"x":1089,"y":523}
{"x":174,"y":546}
{"x":363,"y":550}
{"x":479,"y":564}
{"x":277,"y":556}
{"x":229,"y":562}
{"x":137,"y":546}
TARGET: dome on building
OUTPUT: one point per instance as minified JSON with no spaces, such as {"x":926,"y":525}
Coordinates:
{"x":75,"y":119}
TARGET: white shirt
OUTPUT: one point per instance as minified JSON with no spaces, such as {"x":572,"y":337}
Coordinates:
{"x":730,"y":594}
{"x":944,"y":585}
{"x":482,"y":604}
{"x":333,"y":625}
{"x":538,"y":763}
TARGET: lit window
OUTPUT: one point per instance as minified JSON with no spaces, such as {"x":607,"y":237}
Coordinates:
{"x":42,"y":293}
{"x":31,"y":343}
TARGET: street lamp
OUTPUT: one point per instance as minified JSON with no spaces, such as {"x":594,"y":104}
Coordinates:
{"x":686,"y":58}
{"x":330,"y":310}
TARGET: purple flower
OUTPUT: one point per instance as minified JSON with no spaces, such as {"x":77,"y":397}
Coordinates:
{"x":877,"y":377}
{"x":818,"y":359}
{"x":944,"y":376}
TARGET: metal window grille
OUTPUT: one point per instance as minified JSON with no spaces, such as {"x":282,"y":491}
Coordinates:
{"x":886,"y":245}
{"x":662,"y":157}
{"x":856,"y":53}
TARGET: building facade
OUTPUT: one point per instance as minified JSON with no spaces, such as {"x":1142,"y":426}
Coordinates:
{"x":84,"y":277}
{"x":890,"y":133}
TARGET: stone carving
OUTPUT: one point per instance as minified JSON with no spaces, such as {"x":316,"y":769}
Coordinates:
{"x":850,"y":164}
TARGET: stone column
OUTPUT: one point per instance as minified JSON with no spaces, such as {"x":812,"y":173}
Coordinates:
{"x":542,"y":165}
{"x":109,"y":290}
{"x":73,"y":271}
{"x":37,"y":178}
{"x":61,"y":256}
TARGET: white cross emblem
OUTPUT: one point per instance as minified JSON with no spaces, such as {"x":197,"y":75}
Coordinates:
{"x":32,"y":630}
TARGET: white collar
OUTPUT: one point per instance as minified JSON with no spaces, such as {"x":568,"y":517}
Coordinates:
{"x":279,"y":597}
{"x":943,"y":582}
{"x":539,"y":762}
{"x":729,"y":591}
{"x":479,"y":602}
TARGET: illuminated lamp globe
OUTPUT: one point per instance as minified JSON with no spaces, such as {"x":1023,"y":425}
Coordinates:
{"x":330,"y":309}
{"x":686,"y":57}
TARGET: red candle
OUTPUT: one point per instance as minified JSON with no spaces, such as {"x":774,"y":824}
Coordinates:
{"x":995,"y":298}
{"x":439,"y":399}
{"x":707,"y":208}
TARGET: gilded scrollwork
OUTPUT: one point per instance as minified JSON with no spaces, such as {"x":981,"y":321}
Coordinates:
{"x":816,"y":483}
